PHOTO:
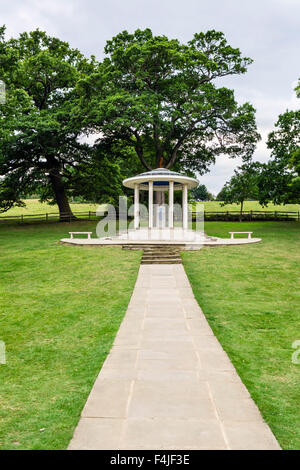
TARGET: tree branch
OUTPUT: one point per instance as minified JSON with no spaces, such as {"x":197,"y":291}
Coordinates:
{"x":139,"y":150}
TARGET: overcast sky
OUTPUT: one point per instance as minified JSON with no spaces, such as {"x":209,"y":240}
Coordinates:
{"x":268,"y":31}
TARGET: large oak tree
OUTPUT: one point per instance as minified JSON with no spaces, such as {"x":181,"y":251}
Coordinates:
{"x":165,"y":99}
{"x":41,"y":147}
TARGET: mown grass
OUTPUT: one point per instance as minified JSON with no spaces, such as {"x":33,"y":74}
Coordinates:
{"x":250,"y":296}
{"x":33,"y":206}
{"x":61,"y":307}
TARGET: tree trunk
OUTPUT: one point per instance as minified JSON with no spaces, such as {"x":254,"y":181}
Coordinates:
{"x":159,"y":197}
{"x":65,"y":212}
{"x":241,"y":213}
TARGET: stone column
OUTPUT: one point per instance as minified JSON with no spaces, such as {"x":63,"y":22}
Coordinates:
{"x":171,"y":204}
{"x":150,"y":205}
{"x":136,"y":206}
{"x":184,"y":207}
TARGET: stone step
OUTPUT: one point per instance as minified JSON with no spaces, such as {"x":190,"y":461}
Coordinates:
{"x":157,"y":253}
{"x":155,"y":245}
{"x":159,"y":258}
{"x":162,"y":249}
{"x":161,"y":261}
{"x":160,"y":255}
{"x":151,"y":247}
{"x":153,"y":250}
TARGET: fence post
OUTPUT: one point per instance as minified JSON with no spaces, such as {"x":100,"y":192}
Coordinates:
{"x":21,"y":218}
{"x":89,"y":215}
{"x":298,"y":216}
{"x":47,"y":216}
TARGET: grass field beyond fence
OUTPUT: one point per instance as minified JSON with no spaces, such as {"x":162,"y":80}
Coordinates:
{"x":33,"y":206}
{"x":35,"y":212}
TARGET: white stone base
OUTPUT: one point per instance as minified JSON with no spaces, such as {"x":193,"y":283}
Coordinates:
{"x":163,"y":234}
{"x":168,"y":236}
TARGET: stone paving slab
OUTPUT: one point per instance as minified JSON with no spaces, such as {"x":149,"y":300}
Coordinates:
{"x":167,"y":383}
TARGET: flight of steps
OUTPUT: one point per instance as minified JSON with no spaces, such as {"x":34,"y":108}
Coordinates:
{"x":158,"y":254}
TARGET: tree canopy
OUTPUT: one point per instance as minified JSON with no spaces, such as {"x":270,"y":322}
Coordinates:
{"x":201,"y":193}
{"x":152,"y":102}
{"x":242,"y":186}
{"x":162,"y":98}
{"x":41,"y":146}
{"x":279,"y":178}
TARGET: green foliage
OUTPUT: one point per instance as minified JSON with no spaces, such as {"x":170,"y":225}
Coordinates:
{"x":39,"y":142}
{"x":200,"y":193}
{"x":160,"y":97}
{"x":154,"y":100}
{"x":297,"y":89}
{"x":99,"y":182}
{"x":9,"y":195}
{"x":241,"y":187}
{"x":285,"y":139}
{"x":279,"y":178}
{"x":294,"y":187}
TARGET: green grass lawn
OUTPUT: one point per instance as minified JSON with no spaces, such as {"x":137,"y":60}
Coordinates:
{"x":33,"y":206}
{"x":61,"y":307}
{"x":251,"y":296}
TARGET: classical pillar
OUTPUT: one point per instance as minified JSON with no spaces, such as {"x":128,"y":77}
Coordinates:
{"x":171,"y":204}
{"x":136,"y":206}
{"x":150,"y":205}
{"x":184,"y":207}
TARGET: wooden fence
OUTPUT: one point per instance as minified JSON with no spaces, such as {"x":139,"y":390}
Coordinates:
{"x":208,"y":215}
{"x":250,"y":215}
{"x":47,"y":217}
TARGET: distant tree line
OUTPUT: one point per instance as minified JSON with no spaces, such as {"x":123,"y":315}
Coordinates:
{"x":200,"y":193}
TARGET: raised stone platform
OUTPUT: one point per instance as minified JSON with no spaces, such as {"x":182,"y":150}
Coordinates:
{"x":187,"y":239}
{"x":186,"y":245}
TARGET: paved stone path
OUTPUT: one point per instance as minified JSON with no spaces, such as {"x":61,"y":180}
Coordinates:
{"x":167,"y":383}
